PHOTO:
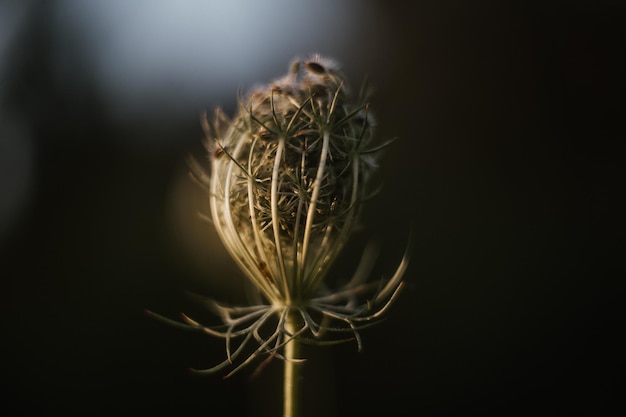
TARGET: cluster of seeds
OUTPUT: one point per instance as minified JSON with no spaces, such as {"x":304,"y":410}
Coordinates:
{"x":288,"y":177}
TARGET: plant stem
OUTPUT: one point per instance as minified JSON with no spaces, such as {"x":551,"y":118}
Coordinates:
{"x":292,"y":370}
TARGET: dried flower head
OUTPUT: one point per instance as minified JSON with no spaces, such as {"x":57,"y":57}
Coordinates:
{"x":289,"y":175}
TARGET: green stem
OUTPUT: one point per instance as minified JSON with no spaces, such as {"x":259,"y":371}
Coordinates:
{"x":292,"y":369}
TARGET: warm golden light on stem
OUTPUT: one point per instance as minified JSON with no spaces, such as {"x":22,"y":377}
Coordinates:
{"x":292,"y":389}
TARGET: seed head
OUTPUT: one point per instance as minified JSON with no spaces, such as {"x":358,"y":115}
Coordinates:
{"x":289,"y":175}
{"x":288,"y":178}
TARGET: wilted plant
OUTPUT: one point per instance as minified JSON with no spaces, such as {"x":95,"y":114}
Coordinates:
{"x":288,"y":178}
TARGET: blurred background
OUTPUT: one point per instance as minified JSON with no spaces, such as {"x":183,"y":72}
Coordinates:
{"x":507,"y":116}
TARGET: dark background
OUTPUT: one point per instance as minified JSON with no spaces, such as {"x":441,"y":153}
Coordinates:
{"x":507,"y":116}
